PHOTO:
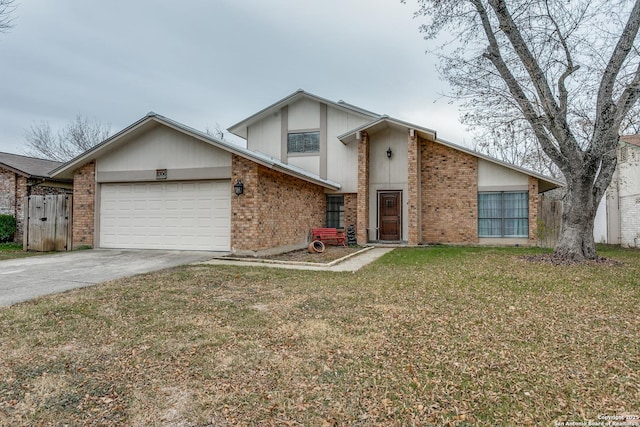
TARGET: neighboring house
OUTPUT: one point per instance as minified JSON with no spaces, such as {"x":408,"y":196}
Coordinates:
{"x":309,"y":162}
{"x":620,"y":208}
{"x":22,"y":176}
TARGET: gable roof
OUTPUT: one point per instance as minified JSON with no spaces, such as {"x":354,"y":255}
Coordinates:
{"x":240,"y":128}
{"x":384,"y":122}
{"x":29,"y":167}
{"x":547,"y":183}
{"x":152,"y":119}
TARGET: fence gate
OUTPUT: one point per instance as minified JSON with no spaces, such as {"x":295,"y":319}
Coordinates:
{"x":48,"y":223}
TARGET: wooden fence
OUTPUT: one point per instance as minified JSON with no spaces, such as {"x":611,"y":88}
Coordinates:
{"x":48,"y":223}
{"x":549,"y":220}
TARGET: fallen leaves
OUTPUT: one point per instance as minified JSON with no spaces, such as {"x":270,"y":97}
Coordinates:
{"x":452,"y":336}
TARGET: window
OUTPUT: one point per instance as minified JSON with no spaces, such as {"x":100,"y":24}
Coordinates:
{"x":303,"y":142}
{"x":335,"y":211}
{"x":504,"y":214}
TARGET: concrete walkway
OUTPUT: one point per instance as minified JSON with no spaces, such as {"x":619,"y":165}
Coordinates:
{"x":352,"y":263}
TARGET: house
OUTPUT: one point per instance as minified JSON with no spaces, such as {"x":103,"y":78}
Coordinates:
{"x":619,"y":211}
{"x":21,"y":177}
{"x":308,"y":162}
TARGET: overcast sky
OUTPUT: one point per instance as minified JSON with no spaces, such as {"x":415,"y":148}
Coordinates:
{"x":213,"y":62}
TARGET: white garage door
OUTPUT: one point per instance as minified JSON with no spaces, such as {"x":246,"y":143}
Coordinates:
{"x":192,"y":215}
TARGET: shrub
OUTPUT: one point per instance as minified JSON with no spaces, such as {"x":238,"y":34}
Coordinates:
{"x":7,"y":228}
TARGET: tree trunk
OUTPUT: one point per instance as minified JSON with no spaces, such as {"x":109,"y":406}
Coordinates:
{"x":576,"y":240}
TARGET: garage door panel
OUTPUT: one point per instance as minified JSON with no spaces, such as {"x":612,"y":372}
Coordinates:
{"x":166,"y":215}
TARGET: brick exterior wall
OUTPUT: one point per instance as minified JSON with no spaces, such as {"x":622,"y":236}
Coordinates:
{"x":7,"y":192}
{"x":449,"y":195}
{"x":350,"y":209}
{"x":8,"y":198}
{"x":84,"y":202}
{"x":413,"y":190}
{"x":533,"y":210}
{"x":41,"y":190}
{"x":363,"y":190}
{"x":630,"y":221}
{"x":22,"y":192}
{"x":276,"y":211}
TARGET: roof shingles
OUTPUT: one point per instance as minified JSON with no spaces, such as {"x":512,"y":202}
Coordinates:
{"x":30,"y":167}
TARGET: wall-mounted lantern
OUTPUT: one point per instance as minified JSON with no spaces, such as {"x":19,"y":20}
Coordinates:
{"x":389,"y":153}
{"x":238,"y":188}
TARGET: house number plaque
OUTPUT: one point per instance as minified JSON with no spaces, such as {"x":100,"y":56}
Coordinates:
{"x":161,"y":174}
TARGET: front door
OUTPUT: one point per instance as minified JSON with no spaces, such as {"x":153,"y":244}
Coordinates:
{"x":390,"y":213}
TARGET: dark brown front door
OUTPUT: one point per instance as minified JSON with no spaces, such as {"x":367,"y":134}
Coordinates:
{"x":390,"y":210}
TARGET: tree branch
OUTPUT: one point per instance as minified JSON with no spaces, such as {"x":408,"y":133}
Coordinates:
{"x":537,"y":122}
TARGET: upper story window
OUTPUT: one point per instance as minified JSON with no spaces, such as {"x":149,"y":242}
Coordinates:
{"x":303,"y":142}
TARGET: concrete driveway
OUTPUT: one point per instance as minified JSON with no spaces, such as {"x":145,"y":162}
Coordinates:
{"x":26,"y":278}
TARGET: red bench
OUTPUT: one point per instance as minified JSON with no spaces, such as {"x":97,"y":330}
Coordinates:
{"x":326,"y":235}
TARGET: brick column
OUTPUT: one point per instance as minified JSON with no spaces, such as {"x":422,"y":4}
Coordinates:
{"x":245,"y":209}
{"x":363,"y":189}
{"x":413,"y":189}
{"x":84,"y":202}
{"x":533,"y":210}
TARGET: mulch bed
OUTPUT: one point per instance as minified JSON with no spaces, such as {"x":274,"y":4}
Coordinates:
{"x":331,"y":253}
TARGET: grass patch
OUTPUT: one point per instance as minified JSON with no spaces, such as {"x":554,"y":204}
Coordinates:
{"x":424,"y":336}
{"x":14,"y":250}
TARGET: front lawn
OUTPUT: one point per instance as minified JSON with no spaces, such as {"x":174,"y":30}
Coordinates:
{"x":425,"y":336}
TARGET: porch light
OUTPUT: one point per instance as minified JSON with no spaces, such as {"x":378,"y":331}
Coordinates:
{"x":238,"y":188}
{"x":389,"y":153}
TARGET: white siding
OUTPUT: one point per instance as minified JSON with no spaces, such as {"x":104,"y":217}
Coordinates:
{"x":629,"y":181}
{"x":600,"y":223}
{"x":163,"y":148}
{"x":629,"y":193}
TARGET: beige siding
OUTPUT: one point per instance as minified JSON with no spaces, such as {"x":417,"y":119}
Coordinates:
{"x":163,"y":148}
{"x":387,"y":174}
{"x":184,"y":157}
{"x":264,"y":136}
{"x":342,"y":160}
{"x":304,"y":115}
{"x":308,"y":163}
{"x":493,"y":177}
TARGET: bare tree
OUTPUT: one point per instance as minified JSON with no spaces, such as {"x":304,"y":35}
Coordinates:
{"x":216,"y":132}
{"x":75,"y":138}
{"x":6,"y":9}
{"x":570,"y":70}
{"x":514,"y":143}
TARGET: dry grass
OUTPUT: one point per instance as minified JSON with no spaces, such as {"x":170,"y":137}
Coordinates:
{"x":433,"y":336}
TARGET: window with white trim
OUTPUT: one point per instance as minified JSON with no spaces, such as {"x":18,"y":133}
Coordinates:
{"x":503,"y":214}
